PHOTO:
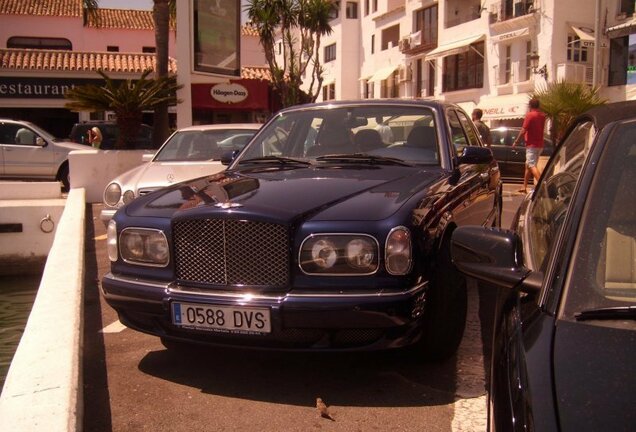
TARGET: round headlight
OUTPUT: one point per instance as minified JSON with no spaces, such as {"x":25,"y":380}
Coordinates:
{"x":324,"y":254}
{"x":128,"y":196}
{"x":360,"y":254}
{"x":112,"y":194}
{"x":134,"y":244}
{"x":158,"y":250}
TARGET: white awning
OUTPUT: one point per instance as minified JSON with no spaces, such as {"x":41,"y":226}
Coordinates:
{"x":622,"y":29}
{"x":383,"y":73}
{"x":586,"y":35}
{"x":504,"y":107}
{"x":505,"y":37}
{"x":453,"y":48}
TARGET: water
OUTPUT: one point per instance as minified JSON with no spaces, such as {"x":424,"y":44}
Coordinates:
{"x":17,"y":294}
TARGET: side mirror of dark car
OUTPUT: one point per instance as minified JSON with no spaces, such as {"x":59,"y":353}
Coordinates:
{"x":228,"y":157}
{"x":476,"y":155}
{"x":493,"y":256}
{"x":39,"y":141}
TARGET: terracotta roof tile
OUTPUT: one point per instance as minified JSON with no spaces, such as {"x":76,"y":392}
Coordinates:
{"x":122,"y":19}
{"x":66,"y":8}
{"x":248,"y":30}
{"x":51,"y":60}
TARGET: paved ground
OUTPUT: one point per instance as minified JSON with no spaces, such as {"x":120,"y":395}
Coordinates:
{"x":131,"y":383}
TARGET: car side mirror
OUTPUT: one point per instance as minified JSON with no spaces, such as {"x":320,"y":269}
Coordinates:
{"x":39,"y":141}
{"x":493,"y":256}
{"x":147,"y":157}
{"x":476,"y":155}
{"x":228,"y":157}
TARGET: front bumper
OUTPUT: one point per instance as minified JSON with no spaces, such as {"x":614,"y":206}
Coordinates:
{"x":107,"y":214}
{"x":317,"y":321}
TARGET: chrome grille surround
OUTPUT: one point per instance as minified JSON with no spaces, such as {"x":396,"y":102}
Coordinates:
{"x":231,"y":252}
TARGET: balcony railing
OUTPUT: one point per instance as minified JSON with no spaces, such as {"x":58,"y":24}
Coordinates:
{"x":508,"y":9}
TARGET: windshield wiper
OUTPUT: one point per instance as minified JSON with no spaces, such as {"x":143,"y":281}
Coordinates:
{"x":360,"y":157}
{"x":609,"y":313}
{"x":276,"y":159}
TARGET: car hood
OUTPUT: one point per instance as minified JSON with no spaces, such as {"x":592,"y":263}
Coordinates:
{"x":70,"y":146}
{"x":154,"y":175}
{"x":595,"y":375}
{"x":319,"y":193}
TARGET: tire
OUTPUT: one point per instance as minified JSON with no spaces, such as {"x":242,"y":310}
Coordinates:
{"x":446,"y":308}
{"x":63,"y":176}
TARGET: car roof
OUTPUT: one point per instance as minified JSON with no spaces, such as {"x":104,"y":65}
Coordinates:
{"x":374,"y":102}
{"x":603,"y":114}
{"x":247,"y":126}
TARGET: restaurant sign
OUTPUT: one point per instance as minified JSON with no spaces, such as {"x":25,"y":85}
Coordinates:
{"x":229,"y":93}
{"x":40,"y":88}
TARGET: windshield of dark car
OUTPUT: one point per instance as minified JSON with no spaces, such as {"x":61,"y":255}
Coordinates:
{"x":406,"y":133}
{"x":603,"y":266}
{"x":186,"y":146}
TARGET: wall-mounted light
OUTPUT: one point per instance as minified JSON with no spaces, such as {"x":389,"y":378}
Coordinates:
{"x":534,"y":64}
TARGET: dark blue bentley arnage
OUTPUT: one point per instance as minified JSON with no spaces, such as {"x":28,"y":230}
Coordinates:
{"x":329,"y":231}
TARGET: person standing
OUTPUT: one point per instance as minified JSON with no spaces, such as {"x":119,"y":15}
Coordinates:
{"x":484,"y":131}
{"x":532,"y":131}
{"x":95,"y":137}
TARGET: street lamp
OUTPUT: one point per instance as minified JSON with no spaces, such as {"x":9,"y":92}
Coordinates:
{"x":534,"y":63}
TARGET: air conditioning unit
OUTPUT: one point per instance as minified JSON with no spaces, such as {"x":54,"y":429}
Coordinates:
{"x":404,"y":73}
{"x":404,"y":44}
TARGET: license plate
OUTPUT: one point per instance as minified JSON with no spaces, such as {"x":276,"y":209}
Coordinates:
{"x":221,"y":318}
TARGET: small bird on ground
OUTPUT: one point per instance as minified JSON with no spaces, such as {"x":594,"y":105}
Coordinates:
{"x":322,"y":410}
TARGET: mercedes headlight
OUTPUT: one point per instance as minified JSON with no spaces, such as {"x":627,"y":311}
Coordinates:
{"x":144,"y":246}
{"x":128,"y":196}
{"x":112,"y":194}
{"x":339,"y":254}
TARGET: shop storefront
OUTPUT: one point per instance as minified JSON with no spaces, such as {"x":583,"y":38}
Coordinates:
{"x":237,"y":101}
{"x":505,"y":110}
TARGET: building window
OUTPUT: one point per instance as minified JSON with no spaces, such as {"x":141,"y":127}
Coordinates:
{"x":576,"y":51}
{"x":280,"y":48}
{"x":389,"y":87}
{"x":506,"y":65}
{"x":352,"y":10}
{"x":627,"y":7}
{"x":40,"y":43}
{"x":426,"y":23}
{"x":149,"y":50}
{"x":335,"y":12}
{"x":390,"y":37}
{"x":368,"y":89}
{"x":464,"y":71}
{"x":431,"y":78}
{"x":112,"y":48}
{"x":372,"y":44}
{"x":622,"y":67}
{"x":329,"y":92}
{"x":330,"y":53}
{"x":375,"y":6}
{"x":366,"y":7}
{"x":528,"y":66}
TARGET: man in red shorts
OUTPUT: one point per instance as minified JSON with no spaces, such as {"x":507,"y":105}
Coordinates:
{"x":532,"y":131}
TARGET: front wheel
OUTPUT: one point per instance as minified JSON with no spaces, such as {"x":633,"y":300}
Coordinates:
{"x":446,"y":308}
{"x":63,"y":175}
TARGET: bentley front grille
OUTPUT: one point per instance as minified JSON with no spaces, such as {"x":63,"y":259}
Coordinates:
{"x":231,"y":252}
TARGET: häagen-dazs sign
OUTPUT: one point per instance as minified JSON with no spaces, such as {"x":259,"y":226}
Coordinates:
{"x":229,"y":93}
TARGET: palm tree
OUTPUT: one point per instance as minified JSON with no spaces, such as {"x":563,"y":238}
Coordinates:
{"x":163,"y":12}
{"x":300,"y":25}
{"x":563,"y":101}
{"x":128,"y":99}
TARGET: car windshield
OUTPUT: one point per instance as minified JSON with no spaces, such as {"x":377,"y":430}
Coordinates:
{"x":44,"y":134}
{"x":406,"y":134}
{"x":603,"y":269}
{"x":205,"y":145}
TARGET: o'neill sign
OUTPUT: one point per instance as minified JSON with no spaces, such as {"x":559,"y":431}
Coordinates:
{"x":229,"y":93}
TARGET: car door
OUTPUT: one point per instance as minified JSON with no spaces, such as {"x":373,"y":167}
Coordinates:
{"x":474,"y":184}
{"x":23,"y":157}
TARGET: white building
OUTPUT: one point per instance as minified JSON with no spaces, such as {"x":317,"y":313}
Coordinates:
{"x":478,"y":53}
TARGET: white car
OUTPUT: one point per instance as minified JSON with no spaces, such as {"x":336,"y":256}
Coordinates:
{"x":188,"y":153}
{"x":29,"y":152}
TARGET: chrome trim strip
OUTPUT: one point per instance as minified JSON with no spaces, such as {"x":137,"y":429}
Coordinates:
{"x":172,"y":288}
